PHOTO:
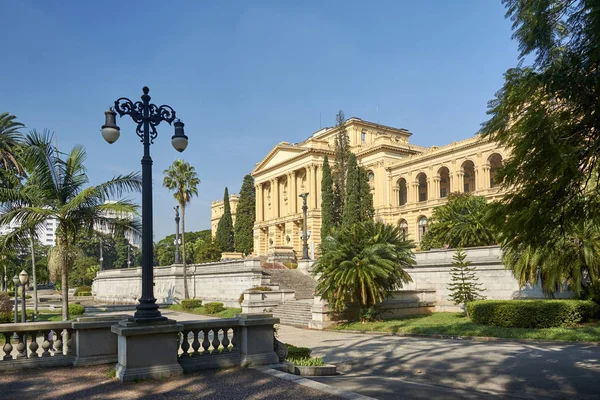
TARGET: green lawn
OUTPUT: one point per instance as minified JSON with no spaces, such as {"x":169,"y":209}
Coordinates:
{"x":227,"y":313}
{"x":457,"y":324}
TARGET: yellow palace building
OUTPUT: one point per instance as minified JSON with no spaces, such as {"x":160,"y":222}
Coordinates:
{"x":407,"y":181}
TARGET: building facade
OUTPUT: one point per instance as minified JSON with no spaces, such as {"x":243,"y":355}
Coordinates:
{"x":407,"y":181}
{"x":217,"y":208}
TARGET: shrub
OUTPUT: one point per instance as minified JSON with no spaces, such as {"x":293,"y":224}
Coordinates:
{"x":532,"y":313}
{"x":297,"y":352}
{"x":307,"y":362}
{"x":81,"y":289}
{"x":191,"y":303}
{"x":84,"y":294}
{"x":9,"y":316}
{"x":76,"y":309}
{"x":6,"y":305}
{"x":241,"y":299}
{"x":214,"y":308}
{"x":27,"y":296}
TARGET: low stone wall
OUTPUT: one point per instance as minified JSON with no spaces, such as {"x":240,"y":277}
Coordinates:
{"x":221,"y":281}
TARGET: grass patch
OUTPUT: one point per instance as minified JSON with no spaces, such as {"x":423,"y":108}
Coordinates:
{"x":227,"y":313}
{"x":457,"y":324}
{"x":307,"y":362}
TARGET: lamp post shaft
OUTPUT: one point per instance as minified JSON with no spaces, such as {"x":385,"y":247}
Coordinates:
{"x":23,"y":313}
{"x":16,"y":305}
{"x":147,"y":309}
{"x":101,"y":257}
{"x":177,"y":254}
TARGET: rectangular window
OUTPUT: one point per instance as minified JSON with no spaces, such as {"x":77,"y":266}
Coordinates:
{"x":443,"y":193}
{"x":466,"y":188}
{"x":363,"y":137}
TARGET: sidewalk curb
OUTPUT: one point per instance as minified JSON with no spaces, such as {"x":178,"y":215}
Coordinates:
{"x":346,"y":394}
{"x":467,"y":338}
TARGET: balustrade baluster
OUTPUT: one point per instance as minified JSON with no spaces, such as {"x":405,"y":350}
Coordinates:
{"x":185,"y":344}
{"x":234,"y":333}
{"x":58,"y":344}
{"x":225,"y":340}
{"x":7,"y":346}
{"x":196,"y":343}
{"x":216,"y":342}
{"x":206,"y":342}
{"x":33,"y":346}
{"x":22,"y":346}
{"x":69,"y":342}
{"x":46,"y":344}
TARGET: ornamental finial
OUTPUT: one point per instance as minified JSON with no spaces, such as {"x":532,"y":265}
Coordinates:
{"x":145,"y":89}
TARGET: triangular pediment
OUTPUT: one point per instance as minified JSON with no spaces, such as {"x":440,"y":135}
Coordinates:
{"x":279,"y":155}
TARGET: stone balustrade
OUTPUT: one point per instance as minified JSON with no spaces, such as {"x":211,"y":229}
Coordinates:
{"x":33,"y":345}
{"x":256,"y":301}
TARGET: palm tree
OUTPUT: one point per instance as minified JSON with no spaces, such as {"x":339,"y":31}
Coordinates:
{"x":182,"y":178}
{"x":56,"y":189}
{"x":10,"y":140}
{"x":362,"y":264}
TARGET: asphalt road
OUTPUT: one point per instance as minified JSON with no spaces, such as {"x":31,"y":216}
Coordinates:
{"x":388,"y":367}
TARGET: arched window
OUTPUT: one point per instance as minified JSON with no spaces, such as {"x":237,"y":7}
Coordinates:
{"x":371,"y":176}
{"x":402,"y":192}
{"x":422,"y":227}
{"x":495,"y":161}
{"x":444,"y":182}
{"x":403,"y":228}
{"x":422,"y":180}
{"x":469,"y":177}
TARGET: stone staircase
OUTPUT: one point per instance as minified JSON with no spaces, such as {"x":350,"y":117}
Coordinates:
{"x":291,"y":279}
{"x":295,"y":313}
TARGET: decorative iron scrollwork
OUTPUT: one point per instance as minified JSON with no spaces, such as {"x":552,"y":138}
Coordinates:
{"x":156,"y":114}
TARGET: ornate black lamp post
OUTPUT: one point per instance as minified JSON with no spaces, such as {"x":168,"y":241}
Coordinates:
{"x":304,"y":230}
{"x":101,"y":256}
{"x":23,"y":278}
{"x":177,"y":255}
{"x":147,"y":116}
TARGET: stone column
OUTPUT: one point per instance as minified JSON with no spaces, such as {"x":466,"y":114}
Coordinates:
{"x":396,"y":195}
{"x":415,"y":190}
{"x":486,"y":180}
{"x":436,"y":187}
{"x":429,"y":185}
{"x":318,"y":193}
{"x":293,"y":193}
{"x":260,"y":216}
{"x":275,"y":197}
{"x":311,"y":187}
{"x":460,"y":181}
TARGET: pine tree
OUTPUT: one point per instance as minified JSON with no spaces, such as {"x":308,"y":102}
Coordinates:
{"x":367,"y":211}
{"x":340,"y":171}
{"x":351,"y":214}
{"x":327,"y":210}
{"x":245,"y":217}
{"x":224,"y":236}
{"x":121,"y":245}
{"x":464,"y":286}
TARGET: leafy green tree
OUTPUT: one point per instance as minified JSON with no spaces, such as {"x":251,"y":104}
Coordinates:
{"x":121,"y":249}
{"x":207,"y":250}
{"x":352,"y":203}
{"x":546,"y":114}
{"x":571,"y":260}
{"x":340,"y":171}
{"x":58,"y":190}
{"x":327,"y":206}
{"x":464,"y":286}
{"x":461,"y":222}
{"x":245,"y":216}
{"x":360,"y":265}
{"x":164,"y":249}
{"x":224,"y":235}
{"x":183,"y":179}
{"x":367,"y":210}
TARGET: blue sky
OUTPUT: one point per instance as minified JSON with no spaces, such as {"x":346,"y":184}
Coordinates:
{"x":246,"y":75}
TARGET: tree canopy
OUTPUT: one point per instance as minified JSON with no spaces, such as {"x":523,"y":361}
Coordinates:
{"x":327,"y":202}
{"x":225,"y":235}
{"x":245,"y":215}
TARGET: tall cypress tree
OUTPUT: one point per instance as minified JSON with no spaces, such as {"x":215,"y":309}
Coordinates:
{"x":224,"y":235}
{"x":367,"y":211}
{"x":340,"y":171}
{"x":245,"y":216}
{"x":352,"y":204}
{"x":327,"y":210}
{"x":121,"y":245}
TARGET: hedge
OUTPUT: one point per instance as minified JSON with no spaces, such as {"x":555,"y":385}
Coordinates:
{"x":9,"y":317}
{"x":532,"y":313}
{"x":82,"y":289}
{"x":214,"y":308}
{"x":84,"y":294}
{"x":191,"y":303}
{"x":297,"y":352}
{"x":76,"y":309}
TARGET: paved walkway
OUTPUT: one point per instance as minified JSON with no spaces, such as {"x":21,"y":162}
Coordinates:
{"x":385,"y":366}
{"x":94,"y":383}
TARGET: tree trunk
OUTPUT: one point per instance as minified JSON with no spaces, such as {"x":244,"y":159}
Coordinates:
{"x":65,"y":292}
{"x":185,"y":283}
{"x":35,"y":295}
